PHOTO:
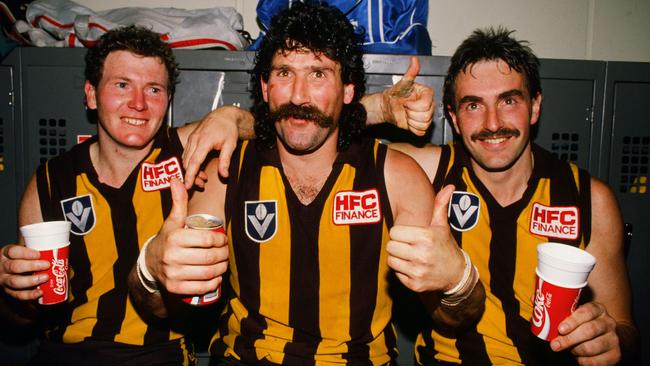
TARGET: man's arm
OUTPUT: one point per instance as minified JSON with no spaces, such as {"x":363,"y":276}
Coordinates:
{"x":178,"y":260}
{"x":218,"y":130}
{"x":19,"y":263}
{"x":422,"y":251}
{"x":602,"y":332}
{"x":407,"y":104}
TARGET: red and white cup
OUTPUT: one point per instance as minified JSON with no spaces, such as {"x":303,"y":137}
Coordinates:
{"x":562,"y":272}
{"x":204,"y":222}
{"x":52,"y":240}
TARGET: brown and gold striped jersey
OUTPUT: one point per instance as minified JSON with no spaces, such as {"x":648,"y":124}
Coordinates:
{"x":502,"y":243}
{"x":310,"y":282}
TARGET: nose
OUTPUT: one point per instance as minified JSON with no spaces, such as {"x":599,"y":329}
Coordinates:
{"x":300,"y":91}
{"x":138,"y":100}
{"x":492,"y":120}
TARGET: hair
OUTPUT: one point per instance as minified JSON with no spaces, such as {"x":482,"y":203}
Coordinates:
{"x":490,"y":45}
{"x":134,"y":39}
{"x":325,"y":31}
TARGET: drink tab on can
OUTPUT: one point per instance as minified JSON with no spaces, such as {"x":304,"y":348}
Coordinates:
{"x":204,"y":222}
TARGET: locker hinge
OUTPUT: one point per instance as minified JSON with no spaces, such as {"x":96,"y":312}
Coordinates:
{"x":11,"y":98}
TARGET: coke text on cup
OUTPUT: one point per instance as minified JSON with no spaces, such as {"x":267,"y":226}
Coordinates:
{"x":204,"y":222}
{"x":55,"y":290}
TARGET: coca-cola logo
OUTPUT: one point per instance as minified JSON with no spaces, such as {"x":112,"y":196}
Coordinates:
{"x":541,"y":321}
{"x":540,"y":309}
{"x":59,"y":271}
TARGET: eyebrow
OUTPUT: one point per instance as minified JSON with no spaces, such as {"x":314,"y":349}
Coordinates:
{"x":504,"y":95}
{"x":511,"y":93}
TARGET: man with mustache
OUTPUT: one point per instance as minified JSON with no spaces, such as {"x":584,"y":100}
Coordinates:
{"x":492,"y":96}
{"x":308,"y":207}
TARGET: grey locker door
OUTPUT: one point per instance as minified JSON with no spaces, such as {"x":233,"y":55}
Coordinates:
{"x":210,"y":79}
{"x":628,"y":96}
{"x":54,"y":113}
{"x":571,"y":121}
{"x":8,"y":162}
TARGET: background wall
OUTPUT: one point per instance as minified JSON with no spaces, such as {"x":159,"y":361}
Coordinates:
{"x":578,"y":29}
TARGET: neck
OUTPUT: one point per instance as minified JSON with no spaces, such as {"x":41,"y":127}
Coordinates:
{"x":113,"y":162}
{"x":307,"y":173}
{"x":508,"y":186}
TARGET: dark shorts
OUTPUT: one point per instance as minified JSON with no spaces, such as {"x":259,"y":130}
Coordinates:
{"x":104,"y":353}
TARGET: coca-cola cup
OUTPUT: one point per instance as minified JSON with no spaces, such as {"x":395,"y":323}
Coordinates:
{"x":204,"y":222}
{"x":562,"y":272}
{"x":52,"y":240}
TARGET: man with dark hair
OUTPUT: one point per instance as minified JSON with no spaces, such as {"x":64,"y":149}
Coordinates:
{"x":492,"y":96}
{"x":308,"y":207}
{"x":101,"y":187}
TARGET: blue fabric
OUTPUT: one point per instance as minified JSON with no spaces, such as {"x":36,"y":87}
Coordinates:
{"x":388,"y":26}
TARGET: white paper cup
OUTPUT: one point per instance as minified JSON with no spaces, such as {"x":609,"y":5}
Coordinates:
{"x":564,"y":265}
{"x":52,"y":240}
{"x":562,"y":272}
{"x":46,"y":235}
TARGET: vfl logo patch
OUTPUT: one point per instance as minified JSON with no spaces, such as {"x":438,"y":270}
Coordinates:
{"x":555,"y":222}
{"x":158,"y":176}
{"x":464,"y":208}
{"x":261,"y":220}
{"x":80,"y":212}
{"x":356,"y":207}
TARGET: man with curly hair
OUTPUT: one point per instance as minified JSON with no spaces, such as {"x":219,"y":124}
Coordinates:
{"x":319,"y":219}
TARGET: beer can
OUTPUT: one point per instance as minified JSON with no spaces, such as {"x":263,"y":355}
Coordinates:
{"x":204,"y":222}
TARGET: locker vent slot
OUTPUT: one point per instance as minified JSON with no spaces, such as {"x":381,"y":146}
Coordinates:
{"x":52,"y":137}
{"x":634,"y":164}
{"x":565,"y":146}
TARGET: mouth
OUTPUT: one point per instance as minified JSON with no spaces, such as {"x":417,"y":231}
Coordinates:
{"x":494,"y":141}
{"x":134,"y":121}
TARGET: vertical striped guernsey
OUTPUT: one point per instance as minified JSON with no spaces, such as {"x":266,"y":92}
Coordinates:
{"x":315,"y":293}
{"x":503,"y":249}
{"x":99,"y":307}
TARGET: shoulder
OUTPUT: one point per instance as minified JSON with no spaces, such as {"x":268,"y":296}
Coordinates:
{"x":602,"y":196}
{"x":427,"y":156}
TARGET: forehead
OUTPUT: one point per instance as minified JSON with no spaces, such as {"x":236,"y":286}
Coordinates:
{"x":489,"y":76}
{"x":303,"y":57}
{"x":130,"y":65}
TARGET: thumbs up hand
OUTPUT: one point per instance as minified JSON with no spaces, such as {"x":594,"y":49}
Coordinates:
{"x":407,"y":104}
{"x":427,"y":258}
{"x":186,"y":261}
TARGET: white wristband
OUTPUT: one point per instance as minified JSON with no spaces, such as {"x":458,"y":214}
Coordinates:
{"x":463,"y":280}
{"x":146,"y":279}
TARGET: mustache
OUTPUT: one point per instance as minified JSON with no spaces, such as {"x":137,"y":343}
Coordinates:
{"x":502,"y":132}
{"x":310,"y":113}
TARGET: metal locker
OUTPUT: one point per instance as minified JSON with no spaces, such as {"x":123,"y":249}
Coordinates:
{"x":8,"y":160}
{"x":570,"y":125}
{"x":627,"y":96}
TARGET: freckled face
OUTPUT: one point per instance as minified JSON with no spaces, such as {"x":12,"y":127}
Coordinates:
{"x":131,"y":99}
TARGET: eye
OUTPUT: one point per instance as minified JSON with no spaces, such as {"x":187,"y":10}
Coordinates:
{"x":319,"y":74}
{"x":155,"y":90}
{"x":121,"y":84}
{"x":509,"y":101}
{"x":472,"y":106}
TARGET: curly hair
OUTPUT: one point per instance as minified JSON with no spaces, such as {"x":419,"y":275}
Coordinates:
{"x":134,"y":39}
{"x":322,"y":30}
{"x":489,"y":45}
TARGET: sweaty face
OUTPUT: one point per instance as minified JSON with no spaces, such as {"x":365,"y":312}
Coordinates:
{"x":305,"y":94}
{"x":131,"y":99}
{"x":493,"y":114}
